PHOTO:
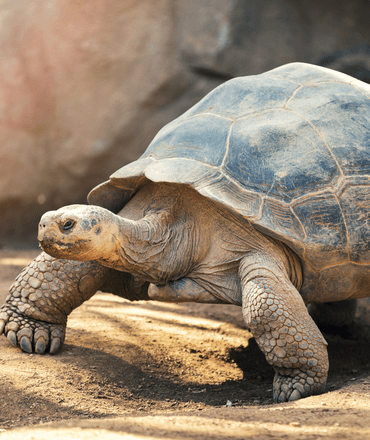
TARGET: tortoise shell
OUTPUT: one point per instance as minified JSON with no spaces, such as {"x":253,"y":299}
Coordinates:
{"x":289,"y":150}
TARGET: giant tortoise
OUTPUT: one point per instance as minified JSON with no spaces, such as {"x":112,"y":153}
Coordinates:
{"x":259,"y":196}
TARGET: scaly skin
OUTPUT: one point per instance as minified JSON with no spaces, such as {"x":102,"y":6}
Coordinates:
{"x":278,"y":319}
{"x":35,"y":313}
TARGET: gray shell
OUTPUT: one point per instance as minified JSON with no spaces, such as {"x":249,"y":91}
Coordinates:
{"x":290,"y":151}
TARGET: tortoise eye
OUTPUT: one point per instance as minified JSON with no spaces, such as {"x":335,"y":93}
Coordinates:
{"x":67,"y":225}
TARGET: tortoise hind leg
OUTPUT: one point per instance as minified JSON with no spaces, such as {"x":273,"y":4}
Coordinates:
{"x":279,"y":321}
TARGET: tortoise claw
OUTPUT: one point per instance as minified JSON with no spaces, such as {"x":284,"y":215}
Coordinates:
{"x":290,"y":388}
{"x":41,"y":341}
{"x":12,"y":338}
{"x":56,"y":340}
{"x":296,"y":395}
{"x":283,"y":397}
{"x":55,"y":345}
{"x":26,"y":344}
{"x":40,"y":346}
{"x":29,"y":334}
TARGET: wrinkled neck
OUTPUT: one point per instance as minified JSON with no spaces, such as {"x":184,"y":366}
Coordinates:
{"x":139,"y":247}
{"x":143,"y":242}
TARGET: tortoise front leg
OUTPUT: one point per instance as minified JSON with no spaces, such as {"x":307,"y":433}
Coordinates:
{"x":278,"y":319}
{"x":35,"y":313}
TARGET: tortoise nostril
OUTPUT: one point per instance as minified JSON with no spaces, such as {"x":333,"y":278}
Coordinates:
{"x":43,"y":224}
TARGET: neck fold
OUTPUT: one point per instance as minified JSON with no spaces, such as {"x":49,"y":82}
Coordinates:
{"x":139,"y":246}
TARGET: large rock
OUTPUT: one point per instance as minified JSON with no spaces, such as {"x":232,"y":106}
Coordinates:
{"x":86,"y":85}
{"x":243,"y":37}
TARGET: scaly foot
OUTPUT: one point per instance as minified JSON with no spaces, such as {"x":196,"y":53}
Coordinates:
{"x":297,"y":384}
{"x":30,"y":334}
{"x":276,"y":315}
{"x":35,"y":314}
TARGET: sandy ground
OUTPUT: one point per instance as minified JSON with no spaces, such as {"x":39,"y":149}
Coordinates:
{"x":151,"y":370}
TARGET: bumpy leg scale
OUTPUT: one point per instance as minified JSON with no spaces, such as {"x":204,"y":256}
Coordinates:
{"x":34,"y":315}
{"x":278,"y":319}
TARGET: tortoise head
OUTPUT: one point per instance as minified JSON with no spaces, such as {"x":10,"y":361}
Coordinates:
{"x":74,"y":232}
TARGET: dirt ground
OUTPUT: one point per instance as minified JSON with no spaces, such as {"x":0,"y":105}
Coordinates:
{"x":151,"y":370}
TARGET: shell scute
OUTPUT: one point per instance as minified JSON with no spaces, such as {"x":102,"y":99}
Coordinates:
{"x":355,"y":203}
{"x":228,"y":193}
{"x":201,"y":139}
{"x":277,"y":220}
{"x":279,"y":153}
{"x":243,"y":96}
{"x":354,"y":279}
{"x":303,"y":73}
{"x":326,"y":237}
{"x":179,"y":170}
{"x":341,"y":114}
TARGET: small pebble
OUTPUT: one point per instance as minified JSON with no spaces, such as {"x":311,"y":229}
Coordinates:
{"x":228,"y":403}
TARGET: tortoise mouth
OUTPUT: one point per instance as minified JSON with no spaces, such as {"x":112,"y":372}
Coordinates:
{"x":49,"y":247}
{"x":60,"y":249}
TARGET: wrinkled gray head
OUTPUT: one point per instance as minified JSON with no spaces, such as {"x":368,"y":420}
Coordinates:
{"x":75,"y":232}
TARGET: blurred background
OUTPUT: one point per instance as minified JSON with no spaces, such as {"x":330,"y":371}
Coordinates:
{"x":85,"y":85}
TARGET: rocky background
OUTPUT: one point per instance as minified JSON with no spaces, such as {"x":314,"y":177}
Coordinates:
{"x":85,"y":85}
